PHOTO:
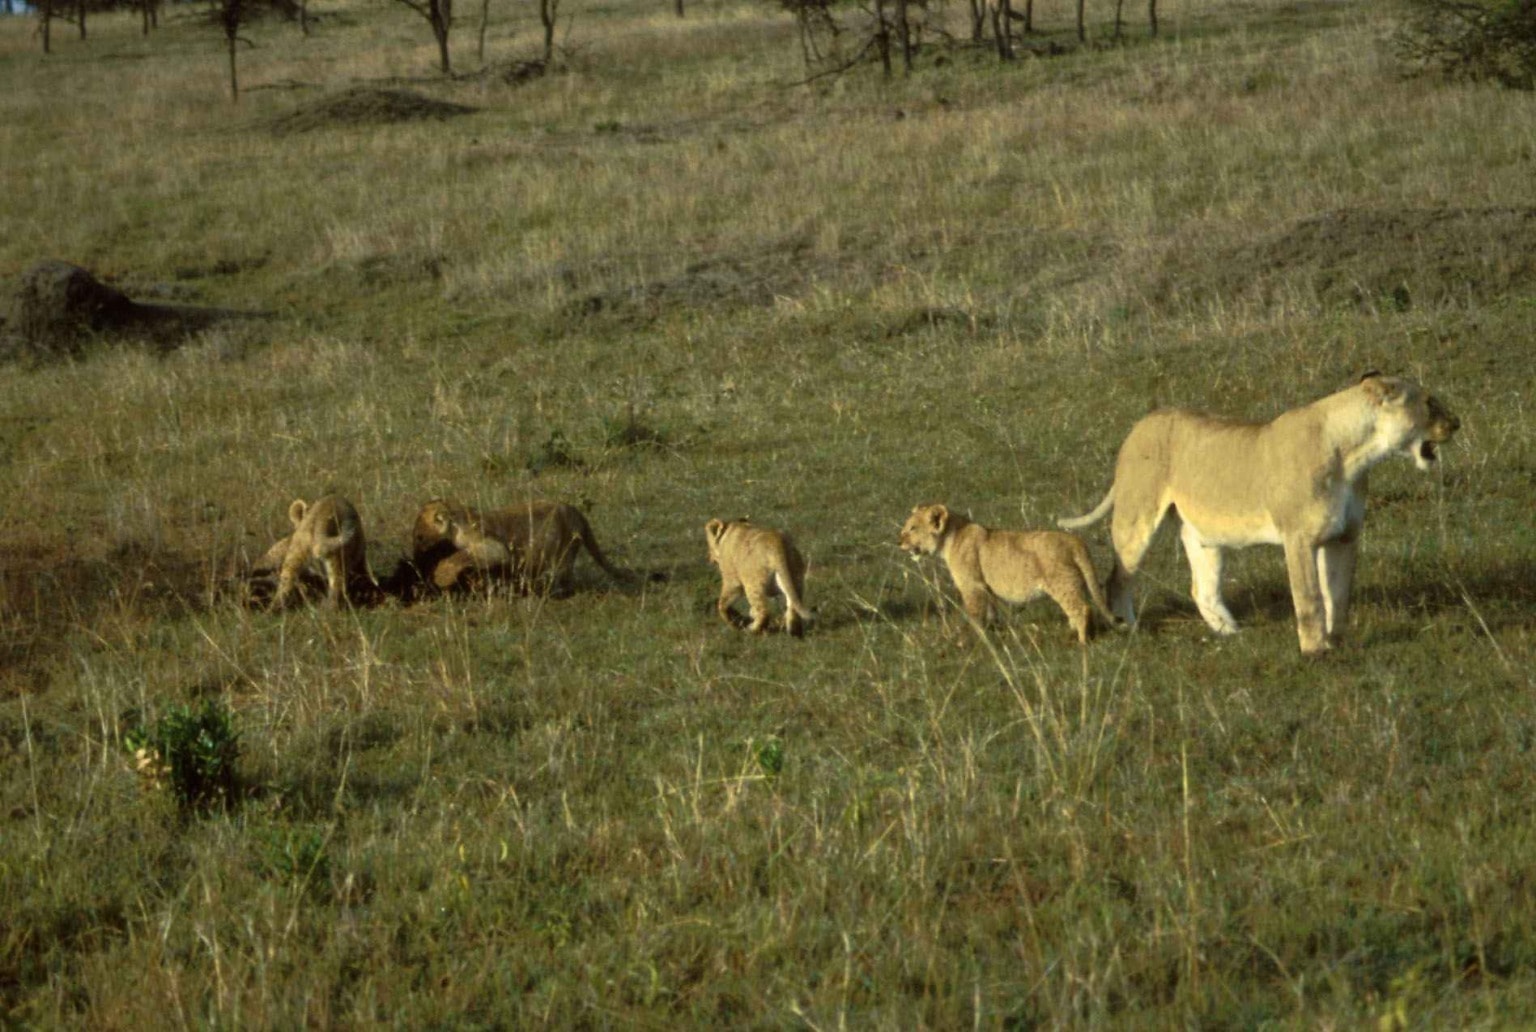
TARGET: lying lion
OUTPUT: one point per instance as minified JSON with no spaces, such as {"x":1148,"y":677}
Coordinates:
{"x":532,"y":545}
{"x":1298,"y":481}
{"x":1012,"y":565}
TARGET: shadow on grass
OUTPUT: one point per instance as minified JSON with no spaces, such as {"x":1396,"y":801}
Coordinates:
{"x":1500,"y":594}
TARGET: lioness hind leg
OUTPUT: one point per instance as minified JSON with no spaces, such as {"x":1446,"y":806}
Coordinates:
{"x":1205,"y":581}
{"x":1132,"y":534}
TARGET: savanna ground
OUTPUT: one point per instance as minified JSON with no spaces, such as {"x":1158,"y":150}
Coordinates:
{"x":668,"y":284}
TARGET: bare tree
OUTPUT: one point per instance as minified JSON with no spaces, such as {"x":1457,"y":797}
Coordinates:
{"x":45,"y":24}
{"x":439,"y":15}
{"x":230,"y":15}
{"x":549,"y":17}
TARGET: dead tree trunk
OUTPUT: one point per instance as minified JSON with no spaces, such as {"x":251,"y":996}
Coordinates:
{"x":1002,"y":28}
{"x":45,"y":24}
{"x":549,"y":14}
{"x":883,"y":37}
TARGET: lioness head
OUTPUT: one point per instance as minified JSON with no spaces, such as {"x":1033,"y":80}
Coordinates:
{"x":1410,"y":419}
{"x":924,"y":530}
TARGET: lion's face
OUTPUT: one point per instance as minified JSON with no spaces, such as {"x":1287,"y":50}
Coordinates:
{"x":432,"y":536}
{"x":1412,"y":420}
{"x":924,"y":530}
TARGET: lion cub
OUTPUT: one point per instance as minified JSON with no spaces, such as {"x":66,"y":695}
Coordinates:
{"x":328,"y":533}
{"x":533,"y":545}
{"x":475,"y":547}
{"x":1013,"y":565}
{"x":757,"y":562}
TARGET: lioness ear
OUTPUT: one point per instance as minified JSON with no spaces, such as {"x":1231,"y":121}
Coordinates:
{"x":938,"y":518}
{"x":713,"y":529}
{"x":1382,"y":389}
{"x":296,"y":511}
{"x":1368,"y":375}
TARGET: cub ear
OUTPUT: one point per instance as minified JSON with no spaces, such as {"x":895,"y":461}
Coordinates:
{"x":296,"y":511}
{"x":440,"y":521}
{"x":1369,"y":374}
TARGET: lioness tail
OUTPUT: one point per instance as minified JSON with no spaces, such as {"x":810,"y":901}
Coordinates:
{"x":1093,"y":517}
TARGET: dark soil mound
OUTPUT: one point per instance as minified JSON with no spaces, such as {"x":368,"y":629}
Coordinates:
{"x":364,"y":106}
{"x":56,"y":308}
{"x":1367,"y":257}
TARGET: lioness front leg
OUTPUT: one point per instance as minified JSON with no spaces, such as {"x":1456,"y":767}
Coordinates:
{"x":1336,"y":575}
{"x":1301,"y":562}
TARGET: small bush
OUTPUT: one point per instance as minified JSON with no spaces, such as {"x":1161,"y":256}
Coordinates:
{"x":296,"y":856}
{"x":629,"y":431}
{"x":192,"y":749}
{"x":554,"y":453}
{"x":1477,"y":40}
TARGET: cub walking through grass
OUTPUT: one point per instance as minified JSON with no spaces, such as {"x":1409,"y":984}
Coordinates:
{"x":1013,"y":565}
{"x":758,"y":562}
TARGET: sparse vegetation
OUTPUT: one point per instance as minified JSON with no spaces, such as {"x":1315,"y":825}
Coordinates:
{"x":1480,"y":40}
{"x":832,"y":303}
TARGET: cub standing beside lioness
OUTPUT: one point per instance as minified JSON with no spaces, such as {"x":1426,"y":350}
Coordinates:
{"x":1298,"y":481}
{"x":758,"y":562}
{"x":1013,"y":565}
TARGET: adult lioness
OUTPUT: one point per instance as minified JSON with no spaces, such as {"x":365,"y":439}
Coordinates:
{"x":533,"y":545}
{"x":1298,"y":481}
{"x":1013,"y":565}
{"x":757,"y":562}
{"x":328,"y":534}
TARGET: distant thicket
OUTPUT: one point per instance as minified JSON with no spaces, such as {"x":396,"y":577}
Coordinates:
{"x":1477,"y":40}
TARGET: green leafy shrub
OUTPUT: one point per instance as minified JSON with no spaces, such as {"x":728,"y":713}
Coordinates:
{"x":193,"y":749}
{"x":297,"y":856}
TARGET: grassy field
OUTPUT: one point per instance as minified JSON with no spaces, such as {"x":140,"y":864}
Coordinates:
{"x":669,"y":283}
